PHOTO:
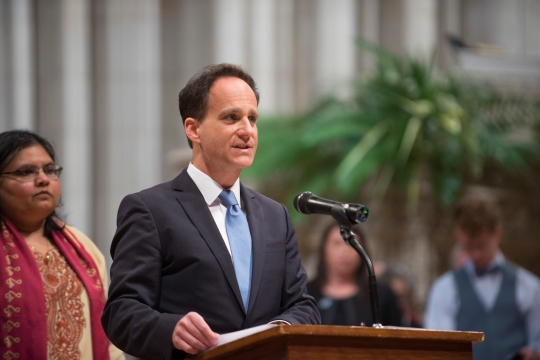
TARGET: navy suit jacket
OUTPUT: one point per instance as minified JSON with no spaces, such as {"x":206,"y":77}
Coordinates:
{"x":169,"y":258}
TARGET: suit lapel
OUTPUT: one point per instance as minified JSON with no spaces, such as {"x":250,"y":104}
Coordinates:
{"x":191,"y":199}
{"x":255,"y":219}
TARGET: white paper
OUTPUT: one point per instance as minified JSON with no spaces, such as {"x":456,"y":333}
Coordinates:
{"x":226,"y":338}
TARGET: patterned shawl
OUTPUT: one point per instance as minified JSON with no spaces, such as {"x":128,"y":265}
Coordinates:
{"x":23,"y":323}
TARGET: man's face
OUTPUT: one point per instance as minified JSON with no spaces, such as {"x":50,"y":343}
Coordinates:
{"x":481,"y":248}
{"x":227,"y":137}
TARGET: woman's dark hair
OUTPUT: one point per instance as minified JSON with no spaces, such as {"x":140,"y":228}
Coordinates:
{"x":361,"y":275}
{"x":11,"y":143}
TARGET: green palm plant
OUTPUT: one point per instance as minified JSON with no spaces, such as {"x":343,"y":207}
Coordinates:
{"x":403,"y":123}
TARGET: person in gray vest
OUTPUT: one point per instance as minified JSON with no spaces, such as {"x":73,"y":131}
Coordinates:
{"x":489,"y":293}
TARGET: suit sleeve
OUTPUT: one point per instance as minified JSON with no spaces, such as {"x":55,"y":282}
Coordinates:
{"x":297,"y":307}
{"x":129,"y":318}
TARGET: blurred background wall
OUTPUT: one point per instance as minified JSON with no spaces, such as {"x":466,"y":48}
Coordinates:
{"x":100,"y":78}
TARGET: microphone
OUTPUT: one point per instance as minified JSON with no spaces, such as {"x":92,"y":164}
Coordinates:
{"x":307,"y":203}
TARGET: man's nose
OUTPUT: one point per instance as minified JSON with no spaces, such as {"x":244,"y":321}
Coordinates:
{"x":247,"y":128}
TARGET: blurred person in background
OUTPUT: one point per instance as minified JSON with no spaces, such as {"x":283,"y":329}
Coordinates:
{"x":402,"y":284}
{"x":488,"y":293}
{"x":458,"y":257}
{"x":341,"y":286}
{"x":53,"y":278}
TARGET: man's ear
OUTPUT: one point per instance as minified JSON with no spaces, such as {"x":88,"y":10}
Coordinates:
{"x":191,"y":127}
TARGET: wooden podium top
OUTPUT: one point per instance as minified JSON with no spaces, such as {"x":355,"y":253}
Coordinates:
{"x":326,"y":340}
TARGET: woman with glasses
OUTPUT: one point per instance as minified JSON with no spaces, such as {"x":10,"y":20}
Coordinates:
{"x":341,"y":285}
{"x":52,"y":277}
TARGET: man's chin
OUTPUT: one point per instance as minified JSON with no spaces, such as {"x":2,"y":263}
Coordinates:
{"x":243,"y":163}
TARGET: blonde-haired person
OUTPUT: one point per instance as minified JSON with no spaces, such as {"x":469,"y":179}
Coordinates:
{"x":53,"y":277}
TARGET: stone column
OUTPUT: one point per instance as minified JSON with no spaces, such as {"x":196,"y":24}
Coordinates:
{"x":63,"y":100}
{"x":409,"y":26}
{"x":335,"y":52}
{"x":368,"y":28}
{"x":187,"y":46}
{"x":127,"y":102}
{"x":449,"y":17}
{"x":17,"y":87}
{"x":392,"y":24}
{"x":231,"y":31}
{"x":76,"y":117}
{"x":23,"y":85}
{"x":263,"y":52}
{"x":5,"y":67}
{"x":284,"y":52}
{"x":49,"y":72}
{"x":305,"y":50}
{"x":532,"y":28}
{"x":420,"y":27}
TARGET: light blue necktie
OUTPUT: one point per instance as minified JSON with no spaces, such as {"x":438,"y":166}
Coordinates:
{"x":240,"y":243}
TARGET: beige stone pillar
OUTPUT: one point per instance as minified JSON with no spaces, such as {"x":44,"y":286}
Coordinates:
{"x":77,"y":181}
{"x":64,"y":100}
{"x":187,"y":46}
{"x":284,"y":52}
{"x":23,"y":86}
{"x":335,"y":51}
{"x":231,"y":31}
{"x":368,"y":28}
{"x":263,"y":52}
{"x":17,"y":87}
{"x":419,"y":27}
{"x":127,"y":106}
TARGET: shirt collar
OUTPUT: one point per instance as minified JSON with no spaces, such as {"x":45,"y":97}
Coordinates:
{"x":209,"y":188}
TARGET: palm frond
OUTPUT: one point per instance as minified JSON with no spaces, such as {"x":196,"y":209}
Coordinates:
{"x":401,"y":124}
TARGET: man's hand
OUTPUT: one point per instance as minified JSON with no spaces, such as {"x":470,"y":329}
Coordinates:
{"x":528,"y":353}
{"x":192,"y":334}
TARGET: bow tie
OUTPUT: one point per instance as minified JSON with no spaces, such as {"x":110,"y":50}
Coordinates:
{"x":482,"y":272}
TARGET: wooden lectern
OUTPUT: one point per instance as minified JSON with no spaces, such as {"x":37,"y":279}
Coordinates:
{"x":306,"y":342}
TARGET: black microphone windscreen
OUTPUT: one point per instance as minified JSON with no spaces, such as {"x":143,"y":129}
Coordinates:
{"x":300,"y":202}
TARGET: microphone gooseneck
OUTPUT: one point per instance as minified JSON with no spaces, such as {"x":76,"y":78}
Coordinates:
{"x":346,"y":215}
{"x":350,"y":239}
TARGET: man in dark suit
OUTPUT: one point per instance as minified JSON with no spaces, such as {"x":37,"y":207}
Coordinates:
{"x":190,"y":261}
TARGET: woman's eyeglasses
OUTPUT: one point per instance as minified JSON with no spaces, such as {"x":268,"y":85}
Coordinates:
{"x":30,"y":173}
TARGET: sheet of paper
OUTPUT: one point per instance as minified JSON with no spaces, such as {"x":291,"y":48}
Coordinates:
{"x":226,"y":338}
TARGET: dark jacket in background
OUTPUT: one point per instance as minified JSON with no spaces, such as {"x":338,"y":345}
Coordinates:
{"x":355,"y":310}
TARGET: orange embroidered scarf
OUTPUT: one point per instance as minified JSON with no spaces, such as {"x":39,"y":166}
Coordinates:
{"x":23,"y":323}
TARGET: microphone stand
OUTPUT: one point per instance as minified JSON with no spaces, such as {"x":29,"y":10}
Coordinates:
{"x":338,"y":213}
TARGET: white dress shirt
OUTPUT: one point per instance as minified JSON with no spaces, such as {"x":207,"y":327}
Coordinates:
{"x":210,"y":191}
{"x":443,"y":303}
